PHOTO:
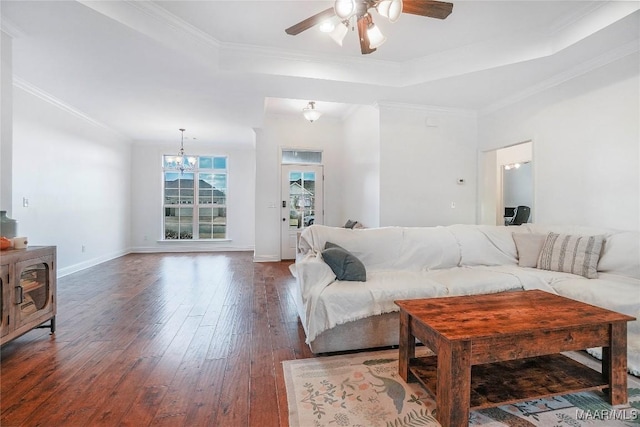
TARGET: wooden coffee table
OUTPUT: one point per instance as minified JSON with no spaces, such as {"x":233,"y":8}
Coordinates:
{"x":496,"y":349}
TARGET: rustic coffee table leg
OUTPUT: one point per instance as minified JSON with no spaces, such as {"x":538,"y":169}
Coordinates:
{"x":406,"y":346}
{"x":453,"y":396}
{"x":614,"y":363}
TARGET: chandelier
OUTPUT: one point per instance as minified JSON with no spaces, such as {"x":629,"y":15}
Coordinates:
{"x":183,"y":162}
{"x":310,"y":113}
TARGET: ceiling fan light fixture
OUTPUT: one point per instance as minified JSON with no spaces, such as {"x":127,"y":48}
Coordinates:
{"x":327,"y":26}
{"x":376,"y":38}
{"x":390,"y":9}
{"x":310,"y":113}
{"x":344,"y":8}
{"x":339,"y":32}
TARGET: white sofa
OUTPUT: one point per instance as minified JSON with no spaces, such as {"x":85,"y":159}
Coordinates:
{"x":423,"y":262}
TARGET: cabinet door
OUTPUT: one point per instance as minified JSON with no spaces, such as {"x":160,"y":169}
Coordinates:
{"x":5,"y":298}
{"x":33,"y":289}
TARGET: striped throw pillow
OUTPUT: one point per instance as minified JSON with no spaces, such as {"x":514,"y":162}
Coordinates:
{"x":571,"y":254}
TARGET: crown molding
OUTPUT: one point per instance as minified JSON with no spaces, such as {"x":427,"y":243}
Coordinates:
{"x":293,"y":55}
{"x":157,"y":23}
{"x":583,"y":68}
{"x":571,"y":20}
{"x":56,"y":102}
{"x":172,"y":21}
{"x":10,"y":28}
{"x":352,"y":109}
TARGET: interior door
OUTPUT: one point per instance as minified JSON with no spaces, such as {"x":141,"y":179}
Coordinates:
{"x":302,"y":204}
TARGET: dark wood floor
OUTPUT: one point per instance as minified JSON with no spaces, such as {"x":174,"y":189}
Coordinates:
{"x":159,"y":339}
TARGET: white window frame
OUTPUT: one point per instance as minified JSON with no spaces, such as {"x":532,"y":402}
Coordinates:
{"x":169,"y":166}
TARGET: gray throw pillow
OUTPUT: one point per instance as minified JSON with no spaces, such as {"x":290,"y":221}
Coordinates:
{"x":350,"y":223}
{"x":571,"y":254}
{"x":343,"y":263}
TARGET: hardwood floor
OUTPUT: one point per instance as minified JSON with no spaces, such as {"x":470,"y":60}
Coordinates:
{"x":159,"y":339}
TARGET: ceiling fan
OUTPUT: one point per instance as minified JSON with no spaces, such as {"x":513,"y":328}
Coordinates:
{"x":349,"y":11}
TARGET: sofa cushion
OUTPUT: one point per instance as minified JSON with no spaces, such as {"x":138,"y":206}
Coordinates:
{"x":621,"y":254}
{"x":529,"y":247}
{"x":484,"y":244}
{"x":343,"y":263}
{"x":358,"y":242}
{"x":571,"y":254}
{"x":613,"y":292}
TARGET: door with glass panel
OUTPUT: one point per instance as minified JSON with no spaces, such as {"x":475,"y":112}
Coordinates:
{"x":302,"y":203}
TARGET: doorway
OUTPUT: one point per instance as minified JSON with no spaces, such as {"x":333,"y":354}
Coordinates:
{"x":517,"y":187}
{"x":302,"y":204}
{"x":500,"y":190}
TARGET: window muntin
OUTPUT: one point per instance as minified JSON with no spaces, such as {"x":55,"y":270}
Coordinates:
{"x":195,"y":201}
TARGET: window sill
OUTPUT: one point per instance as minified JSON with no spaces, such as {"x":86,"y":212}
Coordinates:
{"x":174,"y":241}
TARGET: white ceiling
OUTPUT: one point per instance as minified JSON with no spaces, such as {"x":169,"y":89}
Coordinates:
{"x":147,"y":68}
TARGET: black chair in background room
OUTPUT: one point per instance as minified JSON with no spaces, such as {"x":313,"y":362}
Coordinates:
{"x":521,"y":215}
{"x":508,"y":214}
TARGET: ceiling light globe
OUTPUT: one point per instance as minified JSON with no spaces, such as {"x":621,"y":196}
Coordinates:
{"x":338,"y":34}
{"x":395,"y":9}
{"x":383,"y":8}
{"x":390,"y":9}
{"x":376,"y":38}
{"x":344,"y":8}
{"x":326,"y":26}
{"x":310,"y":113}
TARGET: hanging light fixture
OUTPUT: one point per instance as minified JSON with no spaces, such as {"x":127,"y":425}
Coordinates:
{"x":183,"y":162}
{"x":376,"y":38}
{"x":310,"y":113}
{"x":344,"y":8}
{"x":327,"y":26}
{"x":339,"y":32}
{"x":390,"y":9}
{"x":352,"y":10}
{"x":512,"y":166}
{"x":352,"y":14}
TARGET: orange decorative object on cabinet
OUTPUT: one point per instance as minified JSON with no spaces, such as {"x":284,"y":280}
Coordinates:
{"x":4,"y":243}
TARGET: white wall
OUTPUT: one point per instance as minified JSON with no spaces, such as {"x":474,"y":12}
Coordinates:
{"x":6,"y":122}
{"x":280,"y":131}
{"x":585,"y":135}
{"x":76,"y":176}
{"x":146,"y":193}
{"x":360,"y":190}
{"x":423,"y":152}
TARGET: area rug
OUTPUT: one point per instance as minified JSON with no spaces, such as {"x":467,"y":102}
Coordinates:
{"x":365,"y":390}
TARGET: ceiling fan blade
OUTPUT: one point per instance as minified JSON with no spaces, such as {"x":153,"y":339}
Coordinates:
{"x":429,"y":8}
{"x":310,"y":22}
{"x":364,"y":37}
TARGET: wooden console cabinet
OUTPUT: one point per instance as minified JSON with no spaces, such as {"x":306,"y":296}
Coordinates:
{"x":28,"y":298}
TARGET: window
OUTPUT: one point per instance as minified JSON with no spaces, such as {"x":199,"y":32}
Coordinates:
{"x":301,"y":157}
{"x":195,"y":201}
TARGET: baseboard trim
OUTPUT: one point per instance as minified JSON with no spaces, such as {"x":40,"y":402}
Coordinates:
{"x":266,"y":258}
{"x":90,"y":263}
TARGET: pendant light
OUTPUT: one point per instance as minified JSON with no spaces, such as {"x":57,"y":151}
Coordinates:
{"x":310,"y":113}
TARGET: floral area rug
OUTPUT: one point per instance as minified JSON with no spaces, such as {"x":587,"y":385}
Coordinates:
{"x":365,"y":390}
